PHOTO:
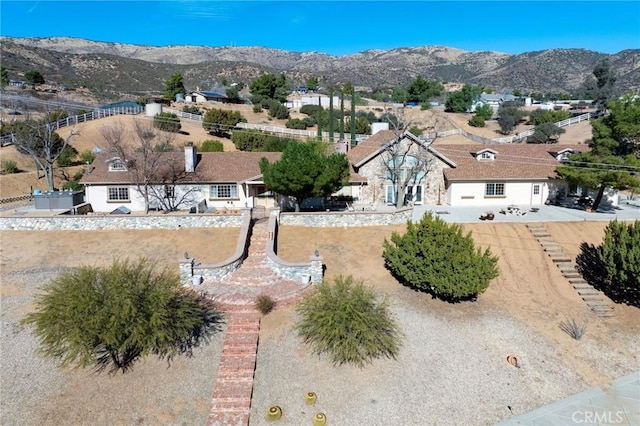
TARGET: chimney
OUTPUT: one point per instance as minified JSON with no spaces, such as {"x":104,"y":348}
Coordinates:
{"x":190,"y":158}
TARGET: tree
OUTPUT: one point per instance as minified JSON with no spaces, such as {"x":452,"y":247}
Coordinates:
{"x":306,"y":170}
{"x":545,"y":133}
{"x":312,"y":83}
{"x":221,"y":121}
{"x":331,"y":117}
{"x":485,"y":111}
{"x":173,"y":86}
{"x":211,"y":145}
{"x":600,"y":86}
{"x":33,"y":77}
{"x":476,"y":121}
{"x":269,"y":86}
{"x":152,"y":170}
{"x":399,"y":95}
{"x":509,"y":115}
{"x":167,"y":121}
{"x":232,"y":94}
{"x":461,"y":100}
{"x":614,"y":159}
{"x":277,"y":110}
{"x":345,"y":320}
{"x":110,"y":318}
{"x":4,"y":77}
{"x":38,"y":139}
{"x":437,"y":257}
{"x":613,"y":267}
{"x":540,"y":116}
{"x":421,"y":90}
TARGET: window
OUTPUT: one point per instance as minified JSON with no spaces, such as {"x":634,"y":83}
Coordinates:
{"x":224,"y":191}
{"x":405,"y":169}
{"x":118,"y":193}
{"x":117,"y":166}
{"x":169,"y":191}
{"x":486,"y":156}
{"x":536,"y":189}
{"x":494,"y":190}
{"x":391,"y":194}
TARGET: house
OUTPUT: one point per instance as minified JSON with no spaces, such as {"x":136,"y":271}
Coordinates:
{"x":210,"y":180}
{"x":202,"y":96}
{"x":494,"y":101}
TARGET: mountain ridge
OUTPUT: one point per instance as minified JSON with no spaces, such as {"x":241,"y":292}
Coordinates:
{"x":107,"y":64}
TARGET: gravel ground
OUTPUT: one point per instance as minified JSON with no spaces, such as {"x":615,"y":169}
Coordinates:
{"x":452,"y":370}
{"x":35,"y":392}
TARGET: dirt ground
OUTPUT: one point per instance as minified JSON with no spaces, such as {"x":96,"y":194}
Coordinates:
{"x":529,"y":289}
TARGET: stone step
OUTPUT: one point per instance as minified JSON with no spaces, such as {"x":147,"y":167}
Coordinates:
{"x":583,"y":287}
{"x":560,"y":259}
{"x":587,"y":291}
{"x":597,"y":303}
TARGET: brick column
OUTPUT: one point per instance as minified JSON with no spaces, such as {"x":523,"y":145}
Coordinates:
{"x":316,"y":269}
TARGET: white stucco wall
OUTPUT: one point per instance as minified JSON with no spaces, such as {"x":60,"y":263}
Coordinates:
{"x":519,"y":193}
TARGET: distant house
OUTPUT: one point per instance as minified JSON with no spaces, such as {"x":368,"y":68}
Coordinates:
{"x":213,"y":180}
{"x":203,"y":96}
{"x":494,"y":101}
{"x":16,"y":83}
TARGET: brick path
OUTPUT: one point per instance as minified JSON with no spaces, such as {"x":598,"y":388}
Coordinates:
{"x":593,"y":298}
{"x":236,"y":293}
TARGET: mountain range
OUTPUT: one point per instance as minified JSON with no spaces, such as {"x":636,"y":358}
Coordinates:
{"x":114,"y":69}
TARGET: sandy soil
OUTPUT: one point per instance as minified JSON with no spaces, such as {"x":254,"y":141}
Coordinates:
{"x":530,"y":291}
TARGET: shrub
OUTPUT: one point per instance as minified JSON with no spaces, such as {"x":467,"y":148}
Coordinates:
{"x":257,"y":108}
{"x":9,"y":167}
{"x":476,"y":121}
{"x":211,"y":145}
{"x":191,"y":109}
{"x":110,"y":318}
{"x":167,"y":121}
{"x":415,"y":131}
{"x":485,"y":111}
{"x":311,"y":110}
{"x":265,"y":304}
{"x":613,"y":267}
{"x":346,"y":321}
{"x":545,"y":133}
{"x":87,"y":156}
{"x":310,"y":121}
{"x":574,"y":328}
{"x":296,"y":123}
{"x":436,"y":257}
{"x":277,"y":110}
{"x":66,"y":157}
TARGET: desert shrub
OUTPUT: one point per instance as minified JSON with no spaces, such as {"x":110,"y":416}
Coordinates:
{"x":278,"y":110}
{"x":264,"y":304}
{"x":211,"y":145}
{"x":574,"y":328}
{"x":476,"y":121}
{"x":545,"y":133}
{"x":437,"y":257}
{"x":310,"y":121}
{"x":415,"y":131}
{"x":311,"y":110}
{"x":167,"y":121}
{"x":345,"y":320}
{"x":67,"y":156}
{"x":110,"y":318}
{"x":87,"y":156}
{"x":191,"y":109}
{"x":9,"y":167}
{"x":613,"y":267}
{"x":257,"y":108}
{"x":540,"y":116}
{"x":296,"y":123}
{"x":485,"y":111}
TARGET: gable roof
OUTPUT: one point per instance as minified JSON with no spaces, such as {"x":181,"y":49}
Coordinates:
{"x":375,"y":145}
{"x":236,"y":166}
{"x":512,"y":162}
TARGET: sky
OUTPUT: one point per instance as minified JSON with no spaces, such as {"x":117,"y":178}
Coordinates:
{"x":337,"y":28}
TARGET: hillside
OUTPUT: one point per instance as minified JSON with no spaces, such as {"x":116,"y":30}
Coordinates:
{"x":115,"y":69}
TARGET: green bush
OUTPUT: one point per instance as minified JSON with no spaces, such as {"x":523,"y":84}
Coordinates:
{"x":110,"y":318}
{"x":211,"y":145}
{"x":87,"y":156}
{"x":296,"y":123}
{"x":191,"y":109}
{"x":311,"y":110}
{"x":167,"y":121}
{"x":345,"y":320}
{"x":278,"y":110}
{"x":613,"y":267}
{"x":436,"y":257}
{"x":257,"y":108}
{"x":476,"y":121}
{"x":9,"y":167}
{"x":67,"y":156}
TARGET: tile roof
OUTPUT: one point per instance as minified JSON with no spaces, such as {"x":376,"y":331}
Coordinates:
{"x":234,"y":166}
{"x":512,"y":161}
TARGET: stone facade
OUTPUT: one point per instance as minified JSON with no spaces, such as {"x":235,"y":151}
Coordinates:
{"x":342,"y":219}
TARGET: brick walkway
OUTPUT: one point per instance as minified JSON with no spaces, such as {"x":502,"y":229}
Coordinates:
{"x":236,"y":293}
{"x":593,"y":298}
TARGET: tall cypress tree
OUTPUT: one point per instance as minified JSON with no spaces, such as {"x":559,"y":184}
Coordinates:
{"x":319,"y":118}
{"x":341,"y":114}
{"x":331,"y":114}
{"x":353,"y":118}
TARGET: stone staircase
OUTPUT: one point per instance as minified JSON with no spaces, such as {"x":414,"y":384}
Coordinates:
{"x":592,"y":297}
{"x":236,"y":294}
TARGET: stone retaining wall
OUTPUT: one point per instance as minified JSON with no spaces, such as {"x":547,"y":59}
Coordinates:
{"x":110,"y":222}
{"x":341,"y":219}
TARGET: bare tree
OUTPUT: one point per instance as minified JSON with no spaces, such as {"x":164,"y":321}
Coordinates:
{"x":144,"y":159}
{"x":406,"y":159}
{"x":167,"y":192}
{"x":38,"y":139}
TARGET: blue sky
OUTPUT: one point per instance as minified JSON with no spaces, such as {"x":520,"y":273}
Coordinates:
{"x":337,"y":28}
